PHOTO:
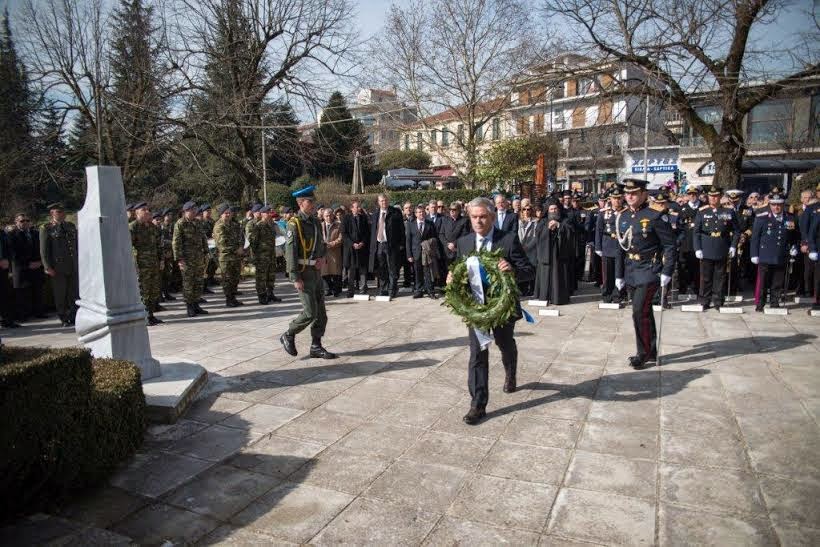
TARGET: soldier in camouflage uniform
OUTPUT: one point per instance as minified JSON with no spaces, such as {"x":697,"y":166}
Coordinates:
{"x":58,"y":250}
{"x":147,"y":250}
{"x":263,"y":246}
{"x":230,"y":247}
{"x":210,"y":260}
{"x":304,"y":253}
{"x":166,"y":233}
{"x":190,"y":246}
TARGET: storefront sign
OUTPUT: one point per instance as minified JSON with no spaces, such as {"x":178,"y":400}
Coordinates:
{"x":662,"y":165}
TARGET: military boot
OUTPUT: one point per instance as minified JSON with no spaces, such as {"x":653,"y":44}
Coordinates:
{"x":153,"y":320}
{"x":159,"y":308}
{"x":199,"y":311}
{"x":289,"y":343}
{"x":316,"y":349}
{"x":191,"y":309}
{"x":169,"y":297}
{"x":272,"y":297}
{"x":263,"y":299}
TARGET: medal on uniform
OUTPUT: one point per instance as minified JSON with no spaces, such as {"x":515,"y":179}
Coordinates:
{"x":644,"y":226}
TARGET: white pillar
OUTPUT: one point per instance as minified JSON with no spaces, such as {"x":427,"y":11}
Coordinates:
{"x":111,"y":316}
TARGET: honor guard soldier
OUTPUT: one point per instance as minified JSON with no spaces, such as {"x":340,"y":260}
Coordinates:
{"x":189,"y":247}
{"x":745,"y":219}
{"x":166,"y":230}
{"x":606,"y":245}
{"x":147,"y":251}
{"x":714,"y":238}
{"x":647,"y":248}
{"x":774,"y":238}
{"x":688,"y":266}
{"x":304,"y":254}
{"x":58,"y":251}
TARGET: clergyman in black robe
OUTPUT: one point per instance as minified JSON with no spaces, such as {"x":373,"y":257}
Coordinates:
{"x":554,"y":255}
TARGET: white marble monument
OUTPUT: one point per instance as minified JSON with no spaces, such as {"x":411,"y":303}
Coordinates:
{"x":111,"y":316}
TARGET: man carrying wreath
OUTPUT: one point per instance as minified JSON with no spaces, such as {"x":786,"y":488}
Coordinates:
{"x":487,"y":237}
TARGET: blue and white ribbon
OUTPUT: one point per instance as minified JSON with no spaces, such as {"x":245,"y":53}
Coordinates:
{"x":477,"y":275}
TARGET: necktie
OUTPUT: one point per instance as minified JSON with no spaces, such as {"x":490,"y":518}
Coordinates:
{"x":381,"y":237}
{"x":500,"y":220}
{"x":482,"y":244}
{"x":420,"y":227}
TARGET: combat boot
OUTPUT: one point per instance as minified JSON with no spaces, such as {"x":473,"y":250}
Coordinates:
{"x":316,"y":349}
{"x":272,"y":297}
{"x":153,"y":320}
{"x":159,"y":308}
{"x":263,"y":299}
{"x":169,"y":297}
{"x":200,"y":311}
{"x":289,"y":343}
{"x":191,"y":309}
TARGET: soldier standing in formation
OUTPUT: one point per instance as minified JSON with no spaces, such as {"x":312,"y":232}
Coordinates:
{"x":813,"y":241}
{"x":775,"y":237}
{"x":147,"y":250}
{"x":230,"y":247}
{"x":688,"y":267}
{"x":189,"y":247}
{"x":304,"y":253}
{"x":210,"y":261}
{"x":170,"y":269}
{"x":647,"y":248}
{"x":27,"y":268}
{"x":606,"y":245}
{"x":714,"y":238}
{"x":58,"y":250}
{"x":745,"y":219}
{"x":263,"y":246}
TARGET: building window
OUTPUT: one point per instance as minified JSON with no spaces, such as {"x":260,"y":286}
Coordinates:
{"x":814,"y":121}
{"x":460,"y":133}
{"x":579,"y":117}
{"x":433,"y":137}
{"x":522,"y":125}
{"x":771,"y":121}
{"x":584,"y":86}
{"x":407,"y":142}
{"x":445,"y":137}
{"x":418,"y":141}
{"x":479,"y":133}
{"x":709,"y":114}
{"x":539,"y":123}
{"x":605,"y":112}
{"x":496,"y":129}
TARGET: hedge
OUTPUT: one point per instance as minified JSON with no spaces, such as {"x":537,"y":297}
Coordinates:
{"x":66,"y":422}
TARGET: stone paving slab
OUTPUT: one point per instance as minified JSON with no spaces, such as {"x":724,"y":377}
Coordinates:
{"x":718,"y":446}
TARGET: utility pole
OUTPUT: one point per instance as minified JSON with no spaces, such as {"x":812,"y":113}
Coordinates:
{"x":646,"y":142}
{"x":264,"y":171}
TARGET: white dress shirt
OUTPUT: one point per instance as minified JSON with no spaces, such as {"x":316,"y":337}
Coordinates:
{"x":488,"y":246}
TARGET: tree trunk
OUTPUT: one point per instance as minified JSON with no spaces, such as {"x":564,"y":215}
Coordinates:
{"x":728,"y":157}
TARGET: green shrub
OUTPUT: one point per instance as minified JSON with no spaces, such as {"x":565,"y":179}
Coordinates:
{"x":424,"y":196}
{"x":65,"y":422}
{"x":807,"y":181}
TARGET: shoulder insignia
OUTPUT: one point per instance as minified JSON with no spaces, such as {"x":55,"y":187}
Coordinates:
{"x":657,"y":207}
{"x":703,"y":207}
{"x":665,"y":218}
{"x":763,"y":214}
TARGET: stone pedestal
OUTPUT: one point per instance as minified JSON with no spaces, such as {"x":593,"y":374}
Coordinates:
{"x":111,"y":316}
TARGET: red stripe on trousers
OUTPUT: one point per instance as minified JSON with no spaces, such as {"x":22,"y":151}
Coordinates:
{"x":647,"y":309}
{"x":758,"y":286}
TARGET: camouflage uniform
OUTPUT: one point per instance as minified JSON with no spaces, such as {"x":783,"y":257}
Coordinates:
{"x":168,"y":263}
{"x":229,"y":242}
{"x":189,"y":244}
{"x":263,"y":245}
{"x":58,"y":250}
{"x":210,"y":260}
{"x":147,"y":250}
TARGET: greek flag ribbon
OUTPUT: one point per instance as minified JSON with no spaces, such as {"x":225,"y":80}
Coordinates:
{"x":527,"y":317}
{"x":476,"y":276}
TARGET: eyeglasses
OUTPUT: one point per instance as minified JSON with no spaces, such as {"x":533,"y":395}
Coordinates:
{"x":528,"y":208}
{"x":24,"y":220}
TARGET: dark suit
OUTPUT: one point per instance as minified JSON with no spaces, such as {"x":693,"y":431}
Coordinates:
{"x":509,"y":224}
{"x":5,"y":287}
{"x":413,"y":239}
{"x":387,"y":256}
{"x":28,"y":282}
{"x":355,"y":229}
{"x":478,"y":373}
{"x":450,"y":231}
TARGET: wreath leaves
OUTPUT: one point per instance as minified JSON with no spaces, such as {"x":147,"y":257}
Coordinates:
{"x":500,"y":296}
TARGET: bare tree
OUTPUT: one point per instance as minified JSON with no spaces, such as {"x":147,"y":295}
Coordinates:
{"x":688,"y":47}
{"x":456,"y":57}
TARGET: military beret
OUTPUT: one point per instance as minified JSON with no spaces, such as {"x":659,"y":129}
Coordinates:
{"x":157,"y":215}
{"x":204,"y":206}
{"x":139,"y":205}
{"x":634,"y":185}
{"x":188,"y":205}
{"x":285,"y":210}
{"x":265,"y":209}
{"x":222,"y":208}
{"x":306,"y":192}
{"x":256,"y":207}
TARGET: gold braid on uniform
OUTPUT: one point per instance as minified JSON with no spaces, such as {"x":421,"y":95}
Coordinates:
{"x":303,"y":243}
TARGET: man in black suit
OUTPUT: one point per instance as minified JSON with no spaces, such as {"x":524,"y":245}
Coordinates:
{"x":505,"y":220}
{"x":418,"y":231}
{"x":386,"y":246}
{"x":488,"y":237}
{"x":355,"y":248}
{"x":27,"y":268}
{"x":453,"y":227}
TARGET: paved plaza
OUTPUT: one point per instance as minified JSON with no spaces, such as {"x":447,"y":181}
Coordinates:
{"x":719,"y":446}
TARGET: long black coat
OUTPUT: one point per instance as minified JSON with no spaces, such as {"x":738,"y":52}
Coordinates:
{"x":25,"y":248}
{"x":555,"y":254}
{"x":450,"y":231}
{"x":355,"y":229}
{"x":513,"y":253}
{"x":394,"y":230}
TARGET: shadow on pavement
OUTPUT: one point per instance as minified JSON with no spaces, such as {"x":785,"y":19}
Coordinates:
{"x":739,"y":346}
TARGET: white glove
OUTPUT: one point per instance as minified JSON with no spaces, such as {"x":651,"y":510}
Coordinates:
{"x":699,"y":255}
{"x":813,"y":256}
{"x":732,"y":252}
{"x":793,"y":251}
{"x":755,"y":260}
{"x":599,"y":253}
{"x":665,"y":279}
{"x":620,"y":284}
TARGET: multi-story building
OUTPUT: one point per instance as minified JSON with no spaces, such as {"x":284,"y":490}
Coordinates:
{"x":383,"y":117}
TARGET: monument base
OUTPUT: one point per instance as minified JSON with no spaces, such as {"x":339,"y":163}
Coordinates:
{"x":609,"y":306}
{"x":725,"y":309}
{"x":168,"y":395}
{"x":549,"y":312}
{"x":692,"y":308}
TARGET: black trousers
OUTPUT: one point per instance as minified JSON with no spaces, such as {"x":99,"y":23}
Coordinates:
{"x":809,"y":275}
{"x":478,"y":371}
{"x":29,"y":299}
{"x":733,"y":277}
{"x":387,"y":269}
{"x":712,"y":276}
{"x":772,"y":276}
{"x":355,"y":275}
{"x":6,"y":300}
{"x":816,"y":266}
{"x":688,"y":269}
{"x":646,"y":337}
{"x":608,"y":291}
{"x":423,"y":277}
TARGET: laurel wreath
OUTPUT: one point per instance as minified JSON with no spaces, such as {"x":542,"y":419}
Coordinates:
{"x":500,"y":296}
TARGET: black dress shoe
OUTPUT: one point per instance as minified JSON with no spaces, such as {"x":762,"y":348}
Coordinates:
{"x":190,"y":309}
{"x":153,"y":320}
{"x":474,"y":416}
{"x":417,"y":295}
{"x":273,"y":298}
{"x":65,"y":324}
{"x":635,"y":361}
{"x":509,"y":384}
{"x":759,"y":309}
{"x":289,"y":343}
{"x":321,"y":353}
{"x":349,"y":295}
{"x":434,"y":296}
{"x":200,"y":311}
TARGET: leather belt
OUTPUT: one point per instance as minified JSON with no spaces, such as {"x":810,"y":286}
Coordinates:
{"x":716,"y":234}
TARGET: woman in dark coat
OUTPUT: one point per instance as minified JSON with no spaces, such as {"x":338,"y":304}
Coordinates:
{"x":527,"y":227}
{"x":554,"y":256}
{"x":356,"y":248}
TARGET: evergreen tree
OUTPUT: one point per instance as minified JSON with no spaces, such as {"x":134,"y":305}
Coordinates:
{"x":336,"y":139}
{"x":81,"y":151}
{"x":16,"y":108}
{"x":284,"y":151}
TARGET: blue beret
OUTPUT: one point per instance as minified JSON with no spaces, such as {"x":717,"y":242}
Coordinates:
{"x":222,"y":208}
{"x":188,"y":205}
{"x":256,"y":207}
{"x":285,"y":210}
{"x":139,"y":205}
{"x":306,"y":192}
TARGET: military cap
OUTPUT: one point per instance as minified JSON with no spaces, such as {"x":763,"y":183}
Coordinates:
{"x":693,"y":190}
{"x":634,"y":185}
{"x":256,"y":207}
{"x":56,"y":205}
{"x":139,"y":205}
{"x":776,"y":195}
{"x":616,"y":191}
{"x":306,"y":192}
{"x":129,"y":206}
{"x":285,"y":210}
{"x":662,"y":196}
{"x":734,"y":193}
{"x":157,"y":215}
{"x":714,"y":191}
{"x":188,"y":205}
{"x":222,"y":208}
{"x":265,"y":209}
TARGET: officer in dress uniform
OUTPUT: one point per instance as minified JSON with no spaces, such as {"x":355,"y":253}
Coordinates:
{"x":647,"y":249}
{"x":745,"y":219}
{"x":304,"y":253}
{"x":687,"y":262}
{"x":606,"y":244}
{"x":774,"y":236}
{"x":715,"y":238}
{"x":58,"y":250}
{"x":813,"y":241}
{"x":661,"y":202}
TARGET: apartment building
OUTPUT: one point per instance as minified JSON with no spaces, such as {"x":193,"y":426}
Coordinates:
{"x":383,"y":116}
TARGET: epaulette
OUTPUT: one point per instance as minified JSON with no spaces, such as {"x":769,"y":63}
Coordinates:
{"x":763,"y":214}
{"x":703,"y":207}
{"x":658,"y":207}
{"x":673,"y":213}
